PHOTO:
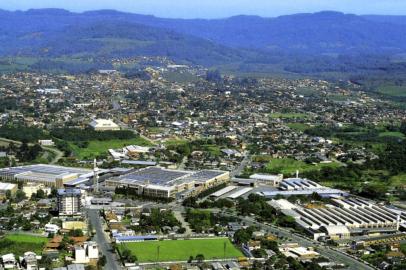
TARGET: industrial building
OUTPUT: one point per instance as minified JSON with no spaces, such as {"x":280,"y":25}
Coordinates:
{"x":48,"y":175}
{"x":69,"y":202}
{"x":343,"y":217}
{"x":268,"y":179}
{"x":165,"y":183}
{"x":7,"y":187}
{"x":239,"y":193}
{"x":103,"y":125}
{"x":298,"y":186}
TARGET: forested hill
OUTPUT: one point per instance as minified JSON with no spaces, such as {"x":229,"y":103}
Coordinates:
{"x":302,"y":43}
{"x":323,"y":32}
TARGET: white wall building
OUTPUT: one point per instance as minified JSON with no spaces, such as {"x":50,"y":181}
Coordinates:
{"x":51,"y":228}
{"x":103,"y":125}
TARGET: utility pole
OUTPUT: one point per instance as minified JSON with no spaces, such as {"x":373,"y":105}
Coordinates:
{"x":95,"y":176}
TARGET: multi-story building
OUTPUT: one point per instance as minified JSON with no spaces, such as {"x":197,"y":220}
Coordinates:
{"x":69,"y":201}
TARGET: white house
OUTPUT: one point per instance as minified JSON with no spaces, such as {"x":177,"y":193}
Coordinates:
{"x":89,"y":251}
{"x":46,"y":142}
{"x":9,"y":261}
{"x":51,"y":228}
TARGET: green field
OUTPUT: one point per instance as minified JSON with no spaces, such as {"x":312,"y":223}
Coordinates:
{"x":399,"y":135}
{"x":181,"y":250}
{"x":96,"y":148}
{"x":20,"y":243}
{"x":175,"y":142}
{"x":289,"y":115}
{"x":393,"y":90}
{"x":398,"y":181}
{"x":288,"y":166}
{"x":298,"y":126}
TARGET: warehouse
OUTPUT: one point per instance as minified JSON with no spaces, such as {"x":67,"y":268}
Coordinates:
{"x":345,"y":217}
{"x":165,"y":183}
{"x":48,"y":175}
{"x":323,"y":192}
{"x":298,"y":184}
{"x":223,"y":191}
{"x":7,"y":187}
{"x":268,"y":179}
{"x":239,"y":193}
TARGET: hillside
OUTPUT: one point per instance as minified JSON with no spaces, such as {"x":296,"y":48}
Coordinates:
{"x":319,"y":43}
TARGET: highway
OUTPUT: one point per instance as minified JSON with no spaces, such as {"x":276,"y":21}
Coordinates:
{"x":102,"y":239}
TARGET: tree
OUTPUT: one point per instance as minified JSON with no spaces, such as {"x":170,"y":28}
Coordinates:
{"x":126,"y":253}
{"x":213,"y":76}
{"x":8,"y":194}
{"x":199,"y":258}
{"x":102,"y":262}
{"x":20,"y":195}
{"x":132,"y":258}
{"x":76,"y":233}
{"x":242,"y":236}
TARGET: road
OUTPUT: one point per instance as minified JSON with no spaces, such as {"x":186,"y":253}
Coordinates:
{"x":245,"y":162}
{"x":332,"y":254}
{"x":57,"y":152}
{"x":102,"y":239}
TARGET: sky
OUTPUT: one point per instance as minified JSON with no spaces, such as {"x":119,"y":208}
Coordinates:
{"x":216,"y":8}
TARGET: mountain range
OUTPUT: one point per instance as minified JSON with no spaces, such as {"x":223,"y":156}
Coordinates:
{"x":244,"y":40}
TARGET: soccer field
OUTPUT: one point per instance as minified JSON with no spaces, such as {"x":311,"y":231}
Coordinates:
{"x":181,"y":250}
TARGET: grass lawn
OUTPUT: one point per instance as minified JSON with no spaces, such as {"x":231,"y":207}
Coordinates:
{"x":288,"y":166}
{"x":181,"y":250}
{"x":289,"y":115}
{"x":298,"y":126}
{"x":213,"y":149}
{"x":399,"y":135}
{"x":175,"y":142}
{"x":398,"y":180}
{"x":20,"y":243}
{"x":96,"y":148}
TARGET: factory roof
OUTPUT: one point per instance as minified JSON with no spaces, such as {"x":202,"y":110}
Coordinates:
{"x":267,"y":177}
{"x":239,"y":193}
{"x":42,"y":172}
{"x":67,"y":192}
{"x":320,"y":191}
{"x":158,"y":176}
{"x":299,"y":183}
{"x":337,"y":229}
{"x":7,"y":186}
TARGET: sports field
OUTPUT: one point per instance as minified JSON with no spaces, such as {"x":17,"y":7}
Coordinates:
{"x":96,"y":148}
{"x":20,"y":243}
{"x":181,"y":250}
{"x":288,"y":166}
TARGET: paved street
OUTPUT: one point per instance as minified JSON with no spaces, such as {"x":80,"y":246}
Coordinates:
{"x":327,"y":252}
{"x":58,"y":154}
{"x":244,"y":163}
{"x":102,"y":240}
